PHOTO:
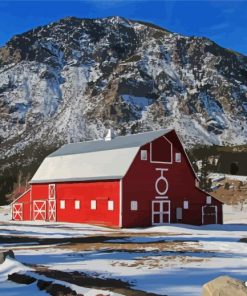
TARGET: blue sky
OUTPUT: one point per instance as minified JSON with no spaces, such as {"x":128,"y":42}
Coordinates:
{"x":223,"y":21}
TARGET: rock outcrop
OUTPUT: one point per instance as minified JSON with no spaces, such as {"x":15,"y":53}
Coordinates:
{"x":4,"y":254}
{"x":225,"y":286}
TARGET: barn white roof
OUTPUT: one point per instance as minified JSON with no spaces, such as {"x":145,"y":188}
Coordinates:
{"x":93,"y":160}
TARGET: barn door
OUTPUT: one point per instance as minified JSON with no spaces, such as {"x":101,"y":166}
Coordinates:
{"x":160,"y":212}
{"x":17,"y":211}
{"x":52,"y":210}
{"x":209,"y":214}
{"x":39,"y":210}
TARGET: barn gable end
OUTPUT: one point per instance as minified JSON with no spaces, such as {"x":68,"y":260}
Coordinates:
{"x":163,"y":190}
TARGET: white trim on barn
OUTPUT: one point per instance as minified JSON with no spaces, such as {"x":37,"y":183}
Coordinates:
{"x":161,"y":197}
{"x":31,"y":203}
{"x":161,"y":211}
{"x":121,"y":203}
{"x":162,"y":162}
{"x":162,"y":194}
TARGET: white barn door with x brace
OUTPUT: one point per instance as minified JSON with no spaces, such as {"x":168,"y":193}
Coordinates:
{"x":52,"y":210}
{"x":17,"y":211}
{"x":39,"y":210}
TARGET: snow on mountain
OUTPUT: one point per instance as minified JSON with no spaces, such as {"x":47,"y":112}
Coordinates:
{"x":71,"y":79}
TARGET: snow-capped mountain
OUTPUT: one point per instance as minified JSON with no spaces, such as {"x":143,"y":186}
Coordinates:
{"x":70,"y":80}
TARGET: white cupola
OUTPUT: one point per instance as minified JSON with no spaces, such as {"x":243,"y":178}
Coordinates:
{"x":110,"y":135}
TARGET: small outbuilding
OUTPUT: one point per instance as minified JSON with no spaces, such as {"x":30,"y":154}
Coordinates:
{"x":127,"y":181}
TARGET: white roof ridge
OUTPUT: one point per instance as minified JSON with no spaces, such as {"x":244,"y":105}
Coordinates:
{"x":121,"y":136}
{"x":118,"y":142}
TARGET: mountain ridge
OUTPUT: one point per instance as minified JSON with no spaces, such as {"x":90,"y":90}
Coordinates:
{"x":70,"y":80}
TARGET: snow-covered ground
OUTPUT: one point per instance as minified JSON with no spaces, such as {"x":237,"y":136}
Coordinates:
{"x":47,"y":230}
{"x":218,"y":176}
{"x":199,"y":255}
{"x":173,"y":260}
{"x":8,"y":288}
{"x":5,"y":213}
{"x":235,"y":213}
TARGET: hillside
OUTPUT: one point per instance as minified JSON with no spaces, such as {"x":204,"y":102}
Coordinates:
{"x":70,"y":80}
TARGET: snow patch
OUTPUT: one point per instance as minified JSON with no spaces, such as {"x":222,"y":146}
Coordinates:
{"x":10,"y":266}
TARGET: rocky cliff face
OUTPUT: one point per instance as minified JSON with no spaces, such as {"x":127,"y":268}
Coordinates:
{"x":70,"y":80}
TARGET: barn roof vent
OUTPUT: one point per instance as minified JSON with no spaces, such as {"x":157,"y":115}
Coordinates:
{"x":110,"y":135}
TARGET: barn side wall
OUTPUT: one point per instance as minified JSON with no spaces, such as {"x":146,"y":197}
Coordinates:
{"x":102,"y":192}
{"x":25,"y":200}
{"x":139,"y":185}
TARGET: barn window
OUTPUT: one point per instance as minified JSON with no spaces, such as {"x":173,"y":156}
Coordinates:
{"x":134,"y":205}
{"x":62,"y":204}
{"x":77,"y":204}
{"x":110,"y":205}
{"x":144,"y":155}
{"x":178,"y":157}
{"x":209,"y":200}
{"x":93,"y":204}
{"x":186,"y":204}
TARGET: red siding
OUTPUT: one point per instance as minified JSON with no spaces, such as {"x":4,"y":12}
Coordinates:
{"x":139,"y":185}
{"x":84,"y":192}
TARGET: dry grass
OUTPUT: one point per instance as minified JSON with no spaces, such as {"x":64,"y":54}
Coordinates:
{"x":147,"y":255}
{"x":159,"y":262}
{"x":161,"y":245}
{"x":232,"y":195}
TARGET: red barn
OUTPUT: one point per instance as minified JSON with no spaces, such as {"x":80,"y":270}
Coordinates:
{"x":129,"y":181}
